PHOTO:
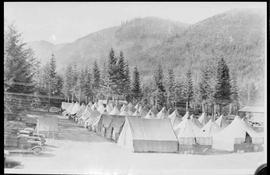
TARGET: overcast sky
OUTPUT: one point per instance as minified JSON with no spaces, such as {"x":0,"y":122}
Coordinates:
{"x":67,"y":21}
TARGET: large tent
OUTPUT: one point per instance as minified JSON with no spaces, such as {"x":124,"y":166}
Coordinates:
{"x":75,"y":108}
{"x":69,"y":109}
{"x":235,"y":133}
{"x":162,"y":113}
{"x":186,"y":132}
{"x":148,"y":135}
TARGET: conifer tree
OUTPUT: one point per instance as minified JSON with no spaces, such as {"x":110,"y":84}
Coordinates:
{"x":96,"y":78}
{"x":127,"y":84}
{"x":160,"y":93}
{"x":234,"y":92}
{"x":121,"y":75}
{"x":112,"y":73}
{"x":171,"y":88}
{"x":19,"y":63}
{"x":104,"y":83}
{"x":67,"y":85}
{"x":88,"y":86}
{"x":136,"y":86}
{"x":188,"y":88}
{"x":222,"y":93}
{"x":205,"y":89}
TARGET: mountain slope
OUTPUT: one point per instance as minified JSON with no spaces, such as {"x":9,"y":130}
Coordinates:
{"x":236,"y":35}
{"x":132,"y":37}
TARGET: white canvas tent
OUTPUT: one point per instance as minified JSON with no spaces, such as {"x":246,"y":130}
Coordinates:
{"x":175,"y":118}
{"x":186,"y":115}
{"x":150,"y":115}
{"x":75,"y":108}
{"x":221,"y":122}
{"x":124,"y":113}
{"x":196,"y":121}
{"x":115,"y":111}
{"x":235,"y":133}
{"x":203,"y":119}
{"x":186,"y":132}
{"x":148,"y":135}
{"x":136,"y":113}
{"x":205,"y":135}
{"x":162,"y":113}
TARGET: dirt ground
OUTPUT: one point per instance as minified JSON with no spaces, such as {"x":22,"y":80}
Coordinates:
{"x":76,"y":150}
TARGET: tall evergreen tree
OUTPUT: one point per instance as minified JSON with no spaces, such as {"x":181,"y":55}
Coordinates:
{"x":222,"y":93}
{"x":171,"y":88}
{"x":188,"y":88}
{"x":112,"y":74}
{"x":52,"y":76}
{"x":136,"y":86}
{"x":96,"y":78}
{"x":67,"y":86}
{"x":127,"y":82}
{"x":121,"y":74}
{"x":104,"y":83}
{"x":160,"y":93}
{"x":234,"y":93}
{"x":19,"y":63}
{"x":88,"y":86}
{"x":205,"y":89}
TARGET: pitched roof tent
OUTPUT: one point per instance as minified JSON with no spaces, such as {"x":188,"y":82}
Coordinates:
{"x":148,"y":135}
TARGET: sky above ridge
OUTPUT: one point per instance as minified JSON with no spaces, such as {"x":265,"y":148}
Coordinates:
{"x":61,"y":22}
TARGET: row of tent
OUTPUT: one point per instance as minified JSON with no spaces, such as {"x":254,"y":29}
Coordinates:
{"x":140,"y":131}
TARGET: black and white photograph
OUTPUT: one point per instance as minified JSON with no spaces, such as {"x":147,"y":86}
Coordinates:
{"x":135,"y":88}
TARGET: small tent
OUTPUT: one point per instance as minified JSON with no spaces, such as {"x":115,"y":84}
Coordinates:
{"x":203,"y":119}
{"x":148,"y":135}
{"x":196,"y":121}
{"x":186,"y":115}
{"x":124,"y":113}
{"x":204,"y":137}
{"x":150,"y":115}
{"x":115,"y":111}
{"x":136,"y":113}
{"x":175,"y":118}
{"x":162,"y":113}
{"x":222,"y":122}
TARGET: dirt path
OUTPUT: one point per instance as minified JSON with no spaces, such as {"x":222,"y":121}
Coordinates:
{"x":69,"y":130}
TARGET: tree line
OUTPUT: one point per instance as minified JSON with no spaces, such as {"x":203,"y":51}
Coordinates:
{"x":216,"y":89}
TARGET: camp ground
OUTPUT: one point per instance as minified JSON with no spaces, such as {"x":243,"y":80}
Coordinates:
{"x":132,"y":88}
{"x":193,"y":133}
